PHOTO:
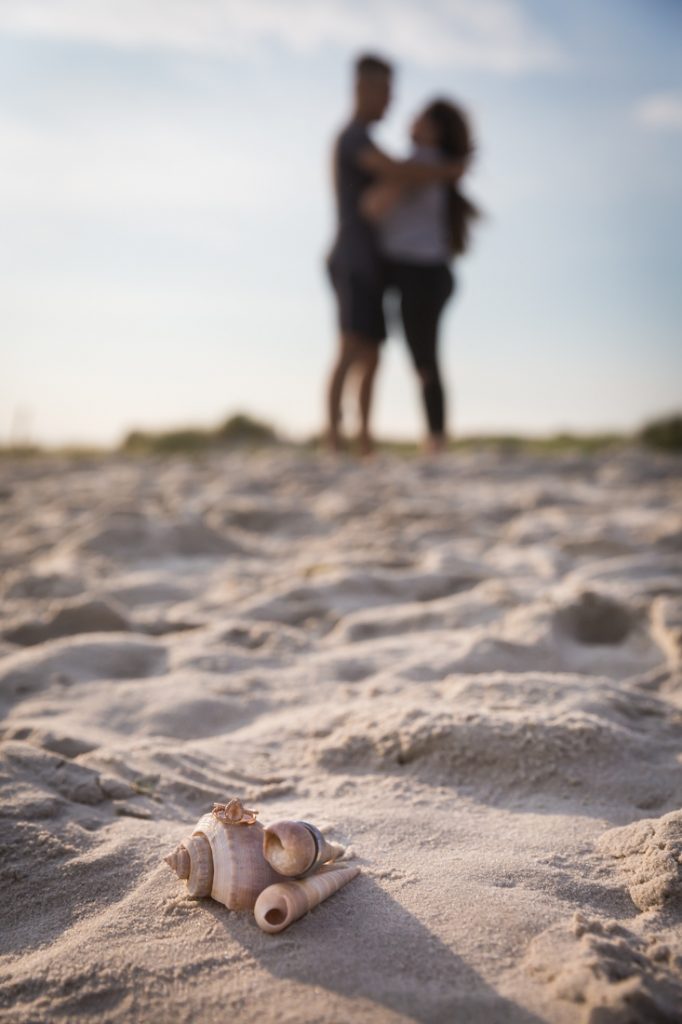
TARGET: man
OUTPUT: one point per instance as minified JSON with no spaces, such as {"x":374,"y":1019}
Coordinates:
{"x":354,"y":263}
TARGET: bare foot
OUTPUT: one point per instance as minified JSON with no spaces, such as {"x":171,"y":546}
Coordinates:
{"x":366,"y":445}
{"x":335,"y":442}
{"x":434,"y":444}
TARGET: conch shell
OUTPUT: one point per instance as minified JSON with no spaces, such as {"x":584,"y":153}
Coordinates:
{"x":231,"y":857}
{"x":223,"y":857}
{"x":280,"y":904}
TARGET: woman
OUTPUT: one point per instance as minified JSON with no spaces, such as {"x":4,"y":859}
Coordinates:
{"x":421,"y":230}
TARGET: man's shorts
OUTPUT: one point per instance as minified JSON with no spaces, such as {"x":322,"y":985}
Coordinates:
{"x":360,"y":301}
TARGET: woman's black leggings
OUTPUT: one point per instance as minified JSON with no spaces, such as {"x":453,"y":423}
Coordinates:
{"x":424,"y":289}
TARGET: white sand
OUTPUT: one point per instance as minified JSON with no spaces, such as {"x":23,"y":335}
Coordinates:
{"x":469,"y":671}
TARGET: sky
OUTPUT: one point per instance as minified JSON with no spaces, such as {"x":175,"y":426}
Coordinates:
{"x":165,"y":209}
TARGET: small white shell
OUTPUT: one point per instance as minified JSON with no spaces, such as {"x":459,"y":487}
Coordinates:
{"x":279,"y":905}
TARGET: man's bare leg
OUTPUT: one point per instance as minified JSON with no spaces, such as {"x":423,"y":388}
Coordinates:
{"x":368,"y":368}
{"x":352,"y":350}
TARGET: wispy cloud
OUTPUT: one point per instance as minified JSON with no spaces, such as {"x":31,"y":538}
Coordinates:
{"x":661,"y":111}
{"x":491,"y":35}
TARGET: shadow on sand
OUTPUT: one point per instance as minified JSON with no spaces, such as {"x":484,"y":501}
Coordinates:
{"x":365,"y":945}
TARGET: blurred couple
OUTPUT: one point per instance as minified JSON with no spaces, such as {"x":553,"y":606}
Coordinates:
{"x":400,"y":223}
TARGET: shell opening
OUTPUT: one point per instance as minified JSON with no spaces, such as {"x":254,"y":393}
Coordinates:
{"x":289,"y":847}
{"x":275,"y":916}
{"x":272,"y":845}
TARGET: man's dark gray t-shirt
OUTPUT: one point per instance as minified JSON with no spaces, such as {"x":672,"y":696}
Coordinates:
{"x":356,"y":247}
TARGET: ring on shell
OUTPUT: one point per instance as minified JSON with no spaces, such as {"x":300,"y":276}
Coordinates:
{"x":234,"y":813}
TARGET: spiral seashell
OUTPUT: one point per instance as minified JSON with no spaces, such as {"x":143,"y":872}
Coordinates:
{"x":179,"y":862}
{"x":193,"y":861}
{"x":296,"y":848}
{"x":280,"y":904}
{"x":223,"y":857}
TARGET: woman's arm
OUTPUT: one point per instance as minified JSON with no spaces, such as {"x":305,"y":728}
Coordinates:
{"x":409,"y":172}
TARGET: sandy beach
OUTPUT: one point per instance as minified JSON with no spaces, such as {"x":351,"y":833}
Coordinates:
{"x":467,"y":671}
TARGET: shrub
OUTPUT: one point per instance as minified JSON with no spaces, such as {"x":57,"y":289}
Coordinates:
{"x":239,"y":429}
{"x":665,"y":433}
{"x":242,"y":428}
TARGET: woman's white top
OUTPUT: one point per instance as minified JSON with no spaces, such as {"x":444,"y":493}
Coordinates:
{"x":416,"y":230}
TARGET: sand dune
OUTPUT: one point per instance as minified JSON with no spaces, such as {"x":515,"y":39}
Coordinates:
{"x":468,"y":671}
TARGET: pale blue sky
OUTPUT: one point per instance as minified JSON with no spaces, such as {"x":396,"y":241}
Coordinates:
{"x":165,"y":209}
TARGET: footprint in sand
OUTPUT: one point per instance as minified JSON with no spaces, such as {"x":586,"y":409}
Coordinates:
{"x":81,"y":616}
{"x":76,"y":659}
{"x":30,"y":767}
{"x":133,"y":537}
{"x":36,"y":586}
{"x":569,"y":741}
{"x":595,"y":619}
{"x":606,"y":973}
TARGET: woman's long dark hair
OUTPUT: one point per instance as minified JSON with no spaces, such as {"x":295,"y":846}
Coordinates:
{"x":454,"y":142}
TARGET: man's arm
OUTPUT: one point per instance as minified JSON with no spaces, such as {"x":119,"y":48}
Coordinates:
{"x":408,"y":172}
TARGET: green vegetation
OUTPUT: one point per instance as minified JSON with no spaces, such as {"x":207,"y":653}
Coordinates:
{"x":237,"y":430}
{"x":167,"y":442}
{"x":513,"y":444}
{"x":664,"y":433}
{"x":582,"y":443}
{"x":241,"y":430}
{"x":35,"y":451}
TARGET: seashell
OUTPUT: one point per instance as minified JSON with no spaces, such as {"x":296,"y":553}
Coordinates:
{"x":231,"y":857}
{"x":224,"y":858}
{"x":296,"y":848}
{"x":193,"y":861}
{"x":280,"y":904}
